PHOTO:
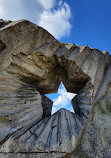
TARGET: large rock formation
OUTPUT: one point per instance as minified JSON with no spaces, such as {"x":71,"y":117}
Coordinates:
{"x":34,"y":63}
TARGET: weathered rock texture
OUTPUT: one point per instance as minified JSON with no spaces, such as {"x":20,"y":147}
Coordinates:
{"x":33,"y":63}
{"x":4,"y":22}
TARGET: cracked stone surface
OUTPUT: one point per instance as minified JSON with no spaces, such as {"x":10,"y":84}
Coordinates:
{"x":33,"y":63}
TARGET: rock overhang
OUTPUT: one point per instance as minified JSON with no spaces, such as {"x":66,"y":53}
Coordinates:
{"x":42,"y":56}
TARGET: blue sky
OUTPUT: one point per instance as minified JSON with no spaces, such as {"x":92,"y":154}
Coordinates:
{"x":61,"y":99}
{"x":91,"y":23}
{"x":83,"y":22}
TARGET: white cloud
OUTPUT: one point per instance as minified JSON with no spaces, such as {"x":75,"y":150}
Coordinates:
{"x":47,"y":4}
{"x":53,"y":110}
{"x":62,"y":100}
{"x":20,"y":9}
{"x":41,"y":12}
{"x":57,"y":21}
